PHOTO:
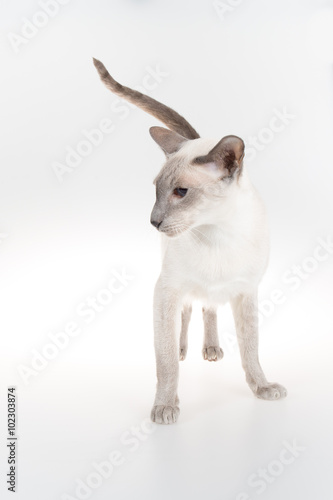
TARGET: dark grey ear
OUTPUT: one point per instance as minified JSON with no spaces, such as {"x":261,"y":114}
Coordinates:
{"x":227,"y":156}
{"x":169,"y":141}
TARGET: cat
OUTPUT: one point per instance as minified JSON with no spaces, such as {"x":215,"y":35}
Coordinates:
{"x":215,"y":248}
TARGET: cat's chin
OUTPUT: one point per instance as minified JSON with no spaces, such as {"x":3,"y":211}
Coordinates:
{"x":170,"y":235}
{"x":173,"y":234}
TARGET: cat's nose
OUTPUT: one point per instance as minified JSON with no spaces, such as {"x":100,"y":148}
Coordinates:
{"x":156,"y":223}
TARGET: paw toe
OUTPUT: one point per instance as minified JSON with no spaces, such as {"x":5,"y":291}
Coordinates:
{"x":271,"y":392}
{"x":212,"y":353}
{"x":161,"y":414}
{"x":182,"y":353}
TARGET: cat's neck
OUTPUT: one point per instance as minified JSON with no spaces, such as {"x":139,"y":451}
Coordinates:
{"x":235,"y":217}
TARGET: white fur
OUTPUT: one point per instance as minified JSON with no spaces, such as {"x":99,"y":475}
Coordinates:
{"x":222,"y":258}
{"x":234,"y":260}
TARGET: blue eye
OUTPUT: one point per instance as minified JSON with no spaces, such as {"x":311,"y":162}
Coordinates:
{"x":180,"y":192}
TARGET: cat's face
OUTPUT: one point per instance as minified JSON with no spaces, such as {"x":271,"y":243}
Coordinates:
{"x":191,"y":189}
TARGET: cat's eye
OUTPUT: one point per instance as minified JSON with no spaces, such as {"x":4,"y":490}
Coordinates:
{"x":181,"y":192}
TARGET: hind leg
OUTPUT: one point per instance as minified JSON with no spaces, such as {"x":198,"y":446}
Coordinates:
{"x":211,"y":348}
{"x":186,"y":316}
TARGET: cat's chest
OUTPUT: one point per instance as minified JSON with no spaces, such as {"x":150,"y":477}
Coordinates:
{"x":214,"y":270}
{"x":213,"y":264}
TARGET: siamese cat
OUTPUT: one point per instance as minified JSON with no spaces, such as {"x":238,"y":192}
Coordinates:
{"x":215,"y":240}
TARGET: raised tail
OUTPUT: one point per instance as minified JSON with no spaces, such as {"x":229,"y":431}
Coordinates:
{"x":166,"y":115}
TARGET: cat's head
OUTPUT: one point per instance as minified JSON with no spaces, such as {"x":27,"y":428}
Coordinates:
{"x":196,"y":179}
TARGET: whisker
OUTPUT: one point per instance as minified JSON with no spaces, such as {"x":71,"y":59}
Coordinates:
{"x":209,"y":240}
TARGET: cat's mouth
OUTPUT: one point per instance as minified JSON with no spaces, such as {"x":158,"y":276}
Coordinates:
{"x":173,"y":232}
{"x":170,"y":234}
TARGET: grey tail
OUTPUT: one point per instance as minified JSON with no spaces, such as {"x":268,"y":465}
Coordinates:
{"x":166,"y":115}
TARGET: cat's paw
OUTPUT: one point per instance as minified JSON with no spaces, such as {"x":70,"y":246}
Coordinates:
{"x":182,"y":353}
{"x":161,"y":414}
{"x":212,"y":353}
{"x":271,"y":392}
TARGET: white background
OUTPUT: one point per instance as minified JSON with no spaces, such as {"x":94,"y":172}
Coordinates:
{"x":60,"y":241}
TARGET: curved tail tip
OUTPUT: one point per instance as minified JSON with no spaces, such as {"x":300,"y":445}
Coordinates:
{"x":100,"y":67}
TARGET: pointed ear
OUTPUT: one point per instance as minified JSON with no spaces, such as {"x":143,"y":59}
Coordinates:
{"x":226,"y":157}
{"x":169,"y":141}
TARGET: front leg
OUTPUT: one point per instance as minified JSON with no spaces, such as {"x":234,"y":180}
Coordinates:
{"x":167,"y":315}
{"x":186,"y":316}
{"x":245,"y":310}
